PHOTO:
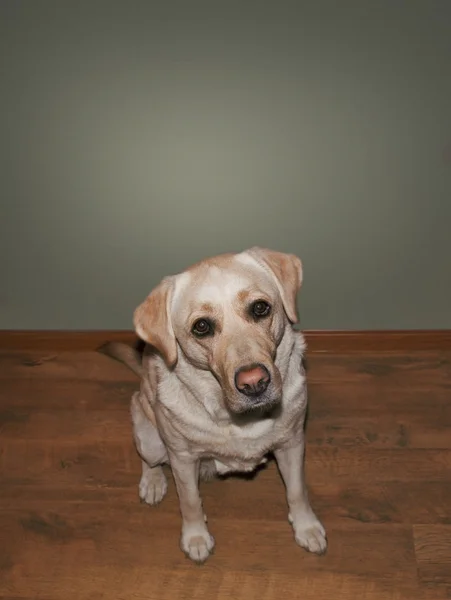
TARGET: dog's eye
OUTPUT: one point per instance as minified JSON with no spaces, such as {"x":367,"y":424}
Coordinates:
{"x":202,"y":327}
{"x":260,"y":309}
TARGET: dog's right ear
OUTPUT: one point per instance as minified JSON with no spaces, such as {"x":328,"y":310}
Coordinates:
{"x":152,"y":321}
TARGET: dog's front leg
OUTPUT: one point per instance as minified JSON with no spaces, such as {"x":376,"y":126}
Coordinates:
{"x":196,"y":540}
{"x":308,"y":531}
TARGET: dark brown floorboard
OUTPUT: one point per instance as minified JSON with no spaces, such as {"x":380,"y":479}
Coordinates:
{"x":378,"y":467}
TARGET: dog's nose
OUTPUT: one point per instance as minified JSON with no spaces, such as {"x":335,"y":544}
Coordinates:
{"x":252,"y":380}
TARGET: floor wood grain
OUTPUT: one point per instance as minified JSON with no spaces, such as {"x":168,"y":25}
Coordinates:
{"x":378,"y":466}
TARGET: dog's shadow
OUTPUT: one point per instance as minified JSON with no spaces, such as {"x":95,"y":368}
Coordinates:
{"x":307,"y":411}
{"x":247,"y":476}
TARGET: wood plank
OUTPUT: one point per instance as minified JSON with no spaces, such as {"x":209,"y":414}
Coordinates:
{"x":32,"y":395}
{"x":70,"y":425}
{"x":73,"y":545}
{"x":433,"y":553}
{"x":433,"y":592}
{"x":381,"y":464}
{"x":339,"y":398}
{"x":62,"y":340}
{"x":411,"y":502}
{"x":388,"y":370}
{"x":339,"y":342}
{"x":404,"y":431}
{"x":328,"y":341}
{"x":186,"y":583}
{"x":70,"y":366}
{"x":58,"y":461}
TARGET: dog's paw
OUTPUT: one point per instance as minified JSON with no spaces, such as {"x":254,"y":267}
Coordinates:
{"x":197,"y":545}
{"x":153,"y":486}
{"x":309,"y":534}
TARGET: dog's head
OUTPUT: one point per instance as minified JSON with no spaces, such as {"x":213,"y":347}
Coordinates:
{"x":227,"y":315}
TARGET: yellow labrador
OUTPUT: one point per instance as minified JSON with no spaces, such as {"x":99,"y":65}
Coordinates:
{"x":222,"y":385}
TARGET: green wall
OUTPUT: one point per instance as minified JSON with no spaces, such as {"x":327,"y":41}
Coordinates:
{"x":139,"y":137}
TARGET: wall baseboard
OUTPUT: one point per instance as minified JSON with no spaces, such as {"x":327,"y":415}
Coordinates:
{"x":327,"y":341}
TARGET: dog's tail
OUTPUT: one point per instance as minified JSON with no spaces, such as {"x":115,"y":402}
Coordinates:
{"x":131,"y":357}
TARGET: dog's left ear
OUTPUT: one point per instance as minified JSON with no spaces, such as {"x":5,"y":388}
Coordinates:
{"x":287,"y":271}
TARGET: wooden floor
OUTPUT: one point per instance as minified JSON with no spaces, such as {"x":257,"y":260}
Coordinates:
{"x":378,"y":465}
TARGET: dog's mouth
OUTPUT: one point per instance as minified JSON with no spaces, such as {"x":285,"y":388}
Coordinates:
{"x":258,"y":412}
{"x":258,"y":408}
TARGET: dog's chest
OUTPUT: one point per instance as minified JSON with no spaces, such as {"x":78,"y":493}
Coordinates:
{"x":233,"y":447}
{"x":236,"y":449}
{"x":246,"y":443}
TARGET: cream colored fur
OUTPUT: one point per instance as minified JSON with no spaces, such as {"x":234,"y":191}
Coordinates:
{"x":188,"y":412}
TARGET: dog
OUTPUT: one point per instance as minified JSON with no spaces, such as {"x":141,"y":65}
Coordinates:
{"x":222,"y":385}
